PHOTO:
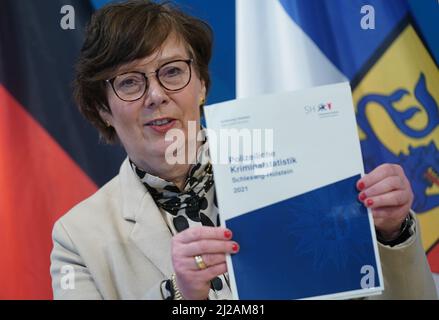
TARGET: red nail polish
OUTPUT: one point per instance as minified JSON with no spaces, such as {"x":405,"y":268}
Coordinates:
{"x":361,"y":186}
{"x":362,"y":196}
{"x":227,"y":234}
{"x":235,"y":247}
{"x":369,"y":202}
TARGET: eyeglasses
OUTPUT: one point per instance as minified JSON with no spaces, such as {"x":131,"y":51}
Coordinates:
{"x":172,"y":76}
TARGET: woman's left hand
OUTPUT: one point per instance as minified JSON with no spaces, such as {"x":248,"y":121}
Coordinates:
{"x":387,"y":191}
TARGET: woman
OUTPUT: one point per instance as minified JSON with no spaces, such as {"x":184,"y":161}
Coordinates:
{"x":152,"y":231}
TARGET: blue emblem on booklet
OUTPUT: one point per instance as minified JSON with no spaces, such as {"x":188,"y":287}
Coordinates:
{"x":315,"y":244}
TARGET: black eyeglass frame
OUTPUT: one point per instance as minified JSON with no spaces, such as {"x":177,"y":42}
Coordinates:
{"x":156,"y":73}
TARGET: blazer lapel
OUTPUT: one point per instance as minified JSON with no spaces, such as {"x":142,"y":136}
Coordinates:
{"x":150,"y":233}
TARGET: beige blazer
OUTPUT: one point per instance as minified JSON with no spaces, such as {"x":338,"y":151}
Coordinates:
{"x":116,"y":245}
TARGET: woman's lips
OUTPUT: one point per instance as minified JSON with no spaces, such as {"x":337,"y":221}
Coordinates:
{"x":161,"y":128}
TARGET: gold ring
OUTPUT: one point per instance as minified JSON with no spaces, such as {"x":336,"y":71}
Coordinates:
{"x":200,"y":262}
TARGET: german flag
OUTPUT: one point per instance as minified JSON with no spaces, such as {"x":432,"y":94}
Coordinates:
{"x":50,"y":158}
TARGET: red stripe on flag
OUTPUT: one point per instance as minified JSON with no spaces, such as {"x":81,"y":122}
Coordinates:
{"x":433,"y":257}
{"x":38,"y":183}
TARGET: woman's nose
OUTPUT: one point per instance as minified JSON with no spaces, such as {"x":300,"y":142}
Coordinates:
{"x":156,"y":94}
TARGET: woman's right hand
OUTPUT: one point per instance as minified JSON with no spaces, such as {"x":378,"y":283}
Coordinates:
{"x":211,"y":243}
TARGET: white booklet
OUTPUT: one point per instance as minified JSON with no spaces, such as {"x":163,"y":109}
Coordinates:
{"x":286,"y":168}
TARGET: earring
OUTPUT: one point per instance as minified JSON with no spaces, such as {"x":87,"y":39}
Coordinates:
{"x":108,"y":123}
{"x":202,"y":101}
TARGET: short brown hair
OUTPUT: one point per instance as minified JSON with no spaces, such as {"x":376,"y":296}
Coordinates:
{"x":124,"y":32}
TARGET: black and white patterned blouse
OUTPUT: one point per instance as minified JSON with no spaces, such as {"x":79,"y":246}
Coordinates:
{"x":195,"y":205}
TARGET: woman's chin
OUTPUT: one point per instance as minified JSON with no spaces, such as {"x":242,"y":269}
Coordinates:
{"x":170,"y":152}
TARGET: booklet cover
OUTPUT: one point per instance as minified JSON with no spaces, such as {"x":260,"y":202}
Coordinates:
{"x":286,"y":168}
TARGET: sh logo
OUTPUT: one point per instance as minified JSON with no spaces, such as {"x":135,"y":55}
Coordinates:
{"x":321,"y":107}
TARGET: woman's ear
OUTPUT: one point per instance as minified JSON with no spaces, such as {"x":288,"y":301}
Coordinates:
{"x":202,"y":94}
{"x":106,"y":117}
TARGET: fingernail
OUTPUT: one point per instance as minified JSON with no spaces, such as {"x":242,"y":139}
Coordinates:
{"x":361,"y":186}
{"x":227,"y":234}
{"x":362,"y":196}
{"x":369,"y":202}
{"x":235,"y":247}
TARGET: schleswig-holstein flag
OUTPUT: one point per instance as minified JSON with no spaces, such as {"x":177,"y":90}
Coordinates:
{"x":386,"y":49}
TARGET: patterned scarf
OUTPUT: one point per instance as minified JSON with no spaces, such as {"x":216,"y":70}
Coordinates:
{"x":195,"y":205}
